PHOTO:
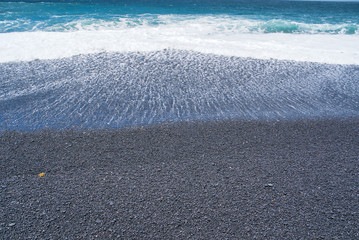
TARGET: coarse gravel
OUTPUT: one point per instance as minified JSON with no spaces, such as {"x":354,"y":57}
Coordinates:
{"x":204,"y":180}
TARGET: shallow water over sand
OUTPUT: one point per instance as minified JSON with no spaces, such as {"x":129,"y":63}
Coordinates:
{"x":128,"y":89}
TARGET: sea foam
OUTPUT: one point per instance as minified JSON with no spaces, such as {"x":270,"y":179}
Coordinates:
{"x":222,"y":35}
{"x":26,"y":46}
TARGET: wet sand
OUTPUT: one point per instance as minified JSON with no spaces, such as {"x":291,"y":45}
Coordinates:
{"x":206,"y":180}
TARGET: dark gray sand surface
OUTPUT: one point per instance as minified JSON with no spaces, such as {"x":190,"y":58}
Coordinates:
{"x":214,"y":180}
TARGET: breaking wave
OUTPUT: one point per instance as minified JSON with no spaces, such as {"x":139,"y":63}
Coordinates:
{"x":212,"y":24}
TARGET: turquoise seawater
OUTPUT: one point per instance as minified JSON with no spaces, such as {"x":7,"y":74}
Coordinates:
{"x":243,"y":16}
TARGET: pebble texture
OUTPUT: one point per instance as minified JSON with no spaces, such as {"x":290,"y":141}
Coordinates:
{"x":205,"y":180}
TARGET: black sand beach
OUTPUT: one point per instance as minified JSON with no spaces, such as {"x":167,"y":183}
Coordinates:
{"x":208,"y":180}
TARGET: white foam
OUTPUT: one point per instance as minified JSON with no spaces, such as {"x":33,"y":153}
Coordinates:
{"x":212,"y":24}
{"x":186,"y":35}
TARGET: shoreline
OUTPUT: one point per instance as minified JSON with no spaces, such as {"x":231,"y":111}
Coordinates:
{"x":226,"y":179}
{"x":121,"y":90}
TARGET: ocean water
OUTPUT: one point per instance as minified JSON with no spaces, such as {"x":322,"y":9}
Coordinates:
{"x":326,"y":32}
{"x":116,"y":63}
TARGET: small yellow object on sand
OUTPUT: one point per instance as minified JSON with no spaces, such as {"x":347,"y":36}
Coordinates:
{"x":41,"y":174}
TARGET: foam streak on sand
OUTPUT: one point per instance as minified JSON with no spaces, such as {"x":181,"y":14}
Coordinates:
{"x":119,"y":90}
{"x":324,"y":48}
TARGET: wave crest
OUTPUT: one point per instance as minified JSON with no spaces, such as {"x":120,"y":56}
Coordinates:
{"x":212,"y":24}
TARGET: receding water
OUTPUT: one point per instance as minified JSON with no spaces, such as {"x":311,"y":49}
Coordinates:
{"x":114,"y":90}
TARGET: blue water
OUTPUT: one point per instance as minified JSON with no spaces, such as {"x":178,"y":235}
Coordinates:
{"x":264,"y":16}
